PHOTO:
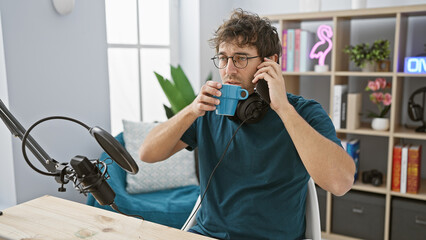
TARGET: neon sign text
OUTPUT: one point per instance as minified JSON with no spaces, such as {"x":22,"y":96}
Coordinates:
{"x":415,"y":65}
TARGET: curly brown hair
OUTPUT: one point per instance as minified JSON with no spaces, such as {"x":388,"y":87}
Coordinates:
{"x":248,"y":29}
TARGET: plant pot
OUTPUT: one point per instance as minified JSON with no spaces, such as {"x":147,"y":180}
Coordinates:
{"x":369,"y":67}
{"x":380,"y":124}
{"x":383,"y":66}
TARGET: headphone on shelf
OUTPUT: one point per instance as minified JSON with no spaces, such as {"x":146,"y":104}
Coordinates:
{"x":415,"y":111}
{"x":254,"y":108}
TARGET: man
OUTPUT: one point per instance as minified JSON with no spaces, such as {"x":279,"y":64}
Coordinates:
{"x":259,"y":189}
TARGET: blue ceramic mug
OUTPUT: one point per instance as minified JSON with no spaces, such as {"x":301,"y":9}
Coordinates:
{"x":231,"y":94}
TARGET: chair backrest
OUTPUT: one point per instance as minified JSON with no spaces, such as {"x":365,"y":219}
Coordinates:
{"x":312,"y":215}
{"x":190,"y":222}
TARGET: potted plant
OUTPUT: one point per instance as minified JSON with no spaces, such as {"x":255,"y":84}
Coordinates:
{"x":363,"y":55}
{"x":179,"y":91}
{"x":380,"y":96}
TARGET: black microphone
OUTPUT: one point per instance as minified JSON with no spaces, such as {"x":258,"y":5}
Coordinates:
{"x":89,"y":175}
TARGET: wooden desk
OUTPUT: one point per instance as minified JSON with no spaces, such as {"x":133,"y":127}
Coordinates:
{"x":50,"y":217}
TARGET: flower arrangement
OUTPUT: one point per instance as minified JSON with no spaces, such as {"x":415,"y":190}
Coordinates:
{"x":380,"y":96}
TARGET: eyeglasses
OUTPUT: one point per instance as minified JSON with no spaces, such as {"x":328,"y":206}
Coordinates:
{"x":240,"y":60}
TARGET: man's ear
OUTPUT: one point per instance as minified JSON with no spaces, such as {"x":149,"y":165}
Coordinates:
{"x":274,"y":58}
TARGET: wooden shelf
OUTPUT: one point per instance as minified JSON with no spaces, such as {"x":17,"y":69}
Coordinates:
{"x":420,"y":196}
{"x":411,"y":75}
{"x":365,"y":129}
{"x":364,"y":74}
{"x":311,"y":73}
{"x":333,"y":236}
{"x":367,"y":187}
{"x":340,"y":73}
{"x":413,"y":10}
{"x":403,"y":132}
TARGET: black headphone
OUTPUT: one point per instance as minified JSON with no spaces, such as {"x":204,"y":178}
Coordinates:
{"x":415,"y":111}
{"x":254,"y":108}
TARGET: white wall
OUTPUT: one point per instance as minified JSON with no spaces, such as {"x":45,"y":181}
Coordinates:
{"x":189,"y":41}
{"x":7,"y":176}
{"x":198,"y":21}
{"x":55,"y":65}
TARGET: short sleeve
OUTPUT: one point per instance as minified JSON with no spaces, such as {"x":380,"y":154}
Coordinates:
{"x":190,"y":136}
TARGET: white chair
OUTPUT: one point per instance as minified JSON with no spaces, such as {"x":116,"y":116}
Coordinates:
{"x":313,"y":225}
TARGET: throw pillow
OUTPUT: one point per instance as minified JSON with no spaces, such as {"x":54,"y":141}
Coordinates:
{"x":176,"y":171}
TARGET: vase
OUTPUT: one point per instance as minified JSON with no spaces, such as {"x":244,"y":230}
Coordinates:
{"x":380,"y":124}
{"x":369,"y":67}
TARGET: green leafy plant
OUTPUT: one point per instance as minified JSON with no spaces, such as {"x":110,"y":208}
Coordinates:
{"x":179,"y":91}
{"x":362,"y":53}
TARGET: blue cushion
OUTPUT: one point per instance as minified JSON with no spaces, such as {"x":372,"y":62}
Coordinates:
{"x":167,"y":207}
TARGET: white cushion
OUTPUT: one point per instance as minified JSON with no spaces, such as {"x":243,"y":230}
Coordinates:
{"x":176,"y":171}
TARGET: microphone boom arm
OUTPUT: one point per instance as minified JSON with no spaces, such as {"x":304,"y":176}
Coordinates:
{"x":18,"y":130}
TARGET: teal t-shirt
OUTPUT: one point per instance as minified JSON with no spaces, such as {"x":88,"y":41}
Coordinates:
{"x":259,"y":189}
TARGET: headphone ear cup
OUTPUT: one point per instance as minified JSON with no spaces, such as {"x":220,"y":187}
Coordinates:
{"x":418,"y":110}
{"x":415,"y":111}
{"x":252,"y":110}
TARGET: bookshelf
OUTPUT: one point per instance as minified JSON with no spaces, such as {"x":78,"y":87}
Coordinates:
{"x":342,"y":71}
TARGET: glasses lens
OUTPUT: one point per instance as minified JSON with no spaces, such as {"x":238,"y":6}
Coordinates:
{"x":221,"y":61}
{"x":240,"y":60}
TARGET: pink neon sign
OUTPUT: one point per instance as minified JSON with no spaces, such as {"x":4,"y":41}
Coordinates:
{"x":324,"y":34}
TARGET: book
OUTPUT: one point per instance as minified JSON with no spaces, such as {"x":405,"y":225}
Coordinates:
{"x":284,"y":55}
{"x":353,"y":149}
{"x":396,"y":168}
{"x":404,"y":161}
{"x":297,"y":50}
{"x":290,"y":50}
{"x":343,"y":109}
{"x":353,"y":111}
{"x":344,"y":143}
{"x":306,"y":43}
{"x":339,"y":90}
{"x":413,"y":168}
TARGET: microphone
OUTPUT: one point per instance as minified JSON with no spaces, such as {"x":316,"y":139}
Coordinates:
{"x":85,"y":174}
{"x":93,"y":181}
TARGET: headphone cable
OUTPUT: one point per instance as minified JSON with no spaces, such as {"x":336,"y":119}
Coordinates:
{"x":211,"y":175}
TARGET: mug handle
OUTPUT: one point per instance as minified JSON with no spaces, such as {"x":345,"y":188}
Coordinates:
{"x":243,"y":94}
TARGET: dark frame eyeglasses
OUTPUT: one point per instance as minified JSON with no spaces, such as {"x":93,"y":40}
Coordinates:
{"x":239,"y":60}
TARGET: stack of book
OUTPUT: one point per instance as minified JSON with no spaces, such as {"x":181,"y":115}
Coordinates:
{"x":406,"y":168}
{"x":297,"y":44}
{"x":346,"y":108}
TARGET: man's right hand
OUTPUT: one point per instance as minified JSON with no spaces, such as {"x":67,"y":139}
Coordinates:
{"x":205,"y":100}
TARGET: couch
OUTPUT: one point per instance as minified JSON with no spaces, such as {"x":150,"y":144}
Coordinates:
{"x":170,"y":207}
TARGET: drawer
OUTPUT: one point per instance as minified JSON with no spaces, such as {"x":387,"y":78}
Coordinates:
{"x":359,"y":214}
{"x":408,"y":219}
{"x":322,"y":202}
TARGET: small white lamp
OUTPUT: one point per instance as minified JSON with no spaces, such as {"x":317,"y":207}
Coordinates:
{"x":63,"y":7}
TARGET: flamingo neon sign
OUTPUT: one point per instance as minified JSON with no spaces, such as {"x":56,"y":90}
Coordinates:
{"x":324,"y":34}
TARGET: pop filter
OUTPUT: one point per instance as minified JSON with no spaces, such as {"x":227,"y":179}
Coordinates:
{"x":114,"y":149}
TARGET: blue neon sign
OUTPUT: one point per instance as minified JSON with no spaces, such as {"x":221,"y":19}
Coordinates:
{"x":415,"y":65}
